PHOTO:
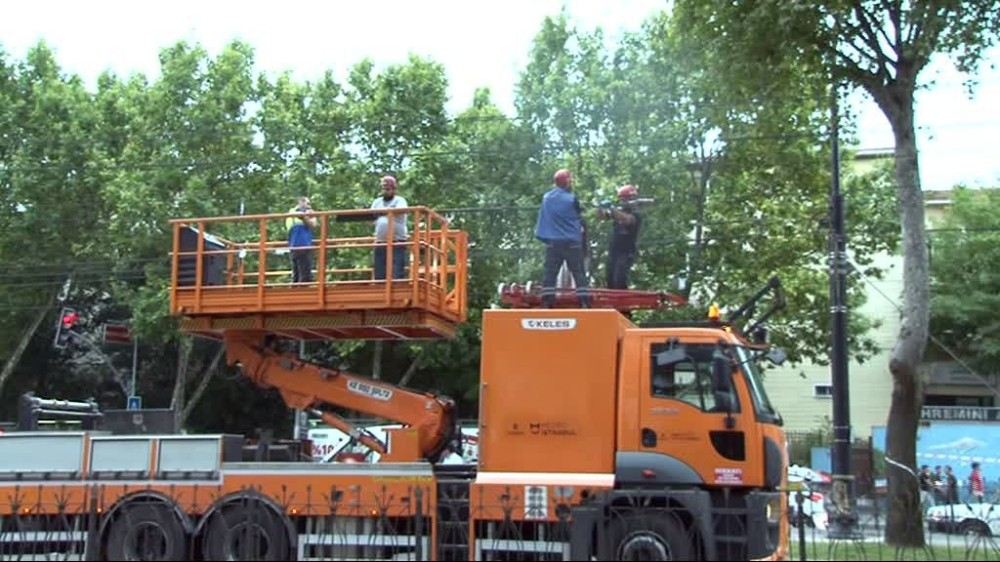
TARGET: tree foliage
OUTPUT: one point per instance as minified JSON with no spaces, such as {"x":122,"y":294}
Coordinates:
{"x":965,"y":277}
{"x":95,"y":178}
{"x":880,"y":47}
{"x":741,"y":179}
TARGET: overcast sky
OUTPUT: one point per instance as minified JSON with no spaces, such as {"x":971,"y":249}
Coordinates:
{"x":479,"y":43}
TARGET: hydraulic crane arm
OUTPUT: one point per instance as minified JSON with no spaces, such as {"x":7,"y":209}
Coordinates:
{"x":429,"y":419}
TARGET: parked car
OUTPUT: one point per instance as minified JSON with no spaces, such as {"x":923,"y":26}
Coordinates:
{"x":971,"y":519}
{"x":813,"y":484}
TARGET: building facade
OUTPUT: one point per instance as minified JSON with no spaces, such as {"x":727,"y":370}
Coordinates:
{"x":804,"y":394}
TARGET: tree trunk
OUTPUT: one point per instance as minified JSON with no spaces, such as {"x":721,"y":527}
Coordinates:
{"x":180,"y":381}
{"x":377,"y":360}
{"x":410,"y":371}
{"x":904,"y":523}
{"x":206,"y":377}
{"x":15,"y":357}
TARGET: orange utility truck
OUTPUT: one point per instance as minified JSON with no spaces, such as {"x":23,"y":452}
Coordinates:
{"x":598,"y":439}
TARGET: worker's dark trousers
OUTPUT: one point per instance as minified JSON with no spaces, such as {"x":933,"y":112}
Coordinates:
{"x":555,"y":254}
{"x":619,"y":266}
{"x":399,"y":259}
{"x":301,"y":266}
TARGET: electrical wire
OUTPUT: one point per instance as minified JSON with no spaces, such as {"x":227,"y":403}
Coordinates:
{"x":931,"y":337}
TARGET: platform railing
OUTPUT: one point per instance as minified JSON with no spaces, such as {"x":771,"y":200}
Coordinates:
{"x":247,"y":257}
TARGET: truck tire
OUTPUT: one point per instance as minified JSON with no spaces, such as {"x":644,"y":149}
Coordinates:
{"x":147,"y":531}
{"x":246,"y":530}
{"x":642,"y":537}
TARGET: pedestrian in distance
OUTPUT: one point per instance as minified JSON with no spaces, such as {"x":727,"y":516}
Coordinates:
{"x":950,"y":486}
{"x":926,"y":481}
{"x":977,"y":486}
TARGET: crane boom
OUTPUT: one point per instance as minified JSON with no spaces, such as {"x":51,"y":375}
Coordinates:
{"x":429,"y":419}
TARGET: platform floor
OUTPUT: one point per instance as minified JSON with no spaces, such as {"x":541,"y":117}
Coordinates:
{"x":367,"y":310}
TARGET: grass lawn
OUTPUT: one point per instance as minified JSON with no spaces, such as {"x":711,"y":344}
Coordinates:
{"x":820,"y":550}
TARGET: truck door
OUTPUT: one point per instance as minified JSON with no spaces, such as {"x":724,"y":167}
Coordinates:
{"x":689,"y":430}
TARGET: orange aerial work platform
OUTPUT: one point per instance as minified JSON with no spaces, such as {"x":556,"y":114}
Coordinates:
{"x":234,"y":274}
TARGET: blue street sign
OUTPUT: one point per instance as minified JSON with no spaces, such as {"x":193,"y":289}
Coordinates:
{"x":134,"y":403}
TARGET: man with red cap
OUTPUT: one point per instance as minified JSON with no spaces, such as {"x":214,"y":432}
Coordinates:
{"x":389,"y":200}
{"x":624,"y":235}
{"x":560,"y":227}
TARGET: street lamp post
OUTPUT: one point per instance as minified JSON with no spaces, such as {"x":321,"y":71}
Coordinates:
{"x":842,"y":521}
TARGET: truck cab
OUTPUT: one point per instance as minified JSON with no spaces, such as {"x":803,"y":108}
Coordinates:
{"x":670,"y":418}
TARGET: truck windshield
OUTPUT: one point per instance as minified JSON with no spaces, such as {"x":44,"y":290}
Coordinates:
{"x":761,"y":404}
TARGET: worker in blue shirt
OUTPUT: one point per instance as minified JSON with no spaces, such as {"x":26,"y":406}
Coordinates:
{"x":300,"y":240}
{"x":560,"y":227}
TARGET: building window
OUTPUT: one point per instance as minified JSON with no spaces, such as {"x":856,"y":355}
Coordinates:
{"x":823,"y":390}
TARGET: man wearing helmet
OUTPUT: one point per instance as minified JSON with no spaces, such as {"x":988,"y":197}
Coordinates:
{"x":560,"y":227}
{"x":389,"y":200}
{"x":623,"y":237}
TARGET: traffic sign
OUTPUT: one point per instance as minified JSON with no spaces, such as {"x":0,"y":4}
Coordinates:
{"x":134,"y":403}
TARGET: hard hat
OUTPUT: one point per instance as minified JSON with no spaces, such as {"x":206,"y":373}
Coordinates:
{"x":628,"y":192}
{"x":713,"y":313}
{"x":562,"y":178}
{"x":390,"y":180}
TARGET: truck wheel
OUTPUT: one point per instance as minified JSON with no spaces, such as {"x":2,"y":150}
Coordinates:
{"x":245,"y":531}
{"x":637,"y":537}
{"x":147,"y":531}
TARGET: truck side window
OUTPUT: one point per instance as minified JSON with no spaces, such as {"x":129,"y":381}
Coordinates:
{"x":689,"y":381}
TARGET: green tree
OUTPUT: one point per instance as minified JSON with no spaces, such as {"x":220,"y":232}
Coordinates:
{"x":965,"y":278}
{"x":208,"y":137}
{"x":881,"y":47}
{"x":182,"y":146}
{"x":740,"y":179}
{"x":50,"y":208}
{"x":482,"y":176}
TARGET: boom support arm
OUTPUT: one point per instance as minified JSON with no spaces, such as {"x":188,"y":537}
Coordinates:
{"x":430,"y":419}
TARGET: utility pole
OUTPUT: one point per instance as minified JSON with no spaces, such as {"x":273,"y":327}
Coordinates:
{"x":842,"y":521}
{"x":135,"y":364}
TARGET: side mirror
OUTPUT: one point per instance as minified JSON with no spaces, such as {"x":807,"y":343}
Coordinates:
{"x":776,"y":356}
{"x":759,"y":335}
{"x":722,"y":382}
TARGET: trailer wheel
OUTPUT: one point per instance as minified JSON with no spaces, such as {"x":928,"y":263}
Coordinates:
{"x":147,"y":531}
{"x":245,"y":530}
{"x":637,"y":537}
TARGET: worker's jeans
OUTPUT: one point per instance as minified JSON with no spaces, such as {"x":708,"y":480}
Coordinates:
{"x":399,"y":255}
{"x":555,"y":254}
